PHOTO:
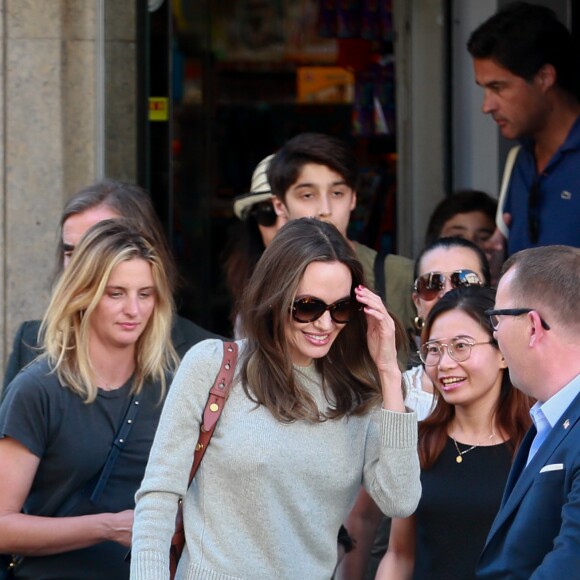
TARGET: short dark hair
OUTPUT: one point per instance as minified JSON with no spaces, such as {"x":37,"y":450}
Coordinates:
{"x":524,"y":37}
{"x":455,"y":242}
{"x":307,"y":148}
{"x":464,"y":201}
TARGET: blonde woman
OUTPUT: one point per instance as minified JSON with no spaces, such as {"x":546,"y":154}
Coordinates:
{"x":66,"y":500}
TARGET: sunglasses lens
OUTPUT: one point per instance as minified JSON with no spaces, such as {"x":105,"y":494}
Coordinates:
{"x":311,"y":309}
{"x":308,"y":309}
{"x":464,"y":278}
{"x":429,"y":285}
{"x":342,"y":311}
{"x":264,"y":214}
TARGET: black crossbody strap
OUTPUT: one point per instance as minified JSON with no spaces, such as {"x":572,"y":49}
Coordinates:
{"x":102,"y":476}
{"x":118,"y":444}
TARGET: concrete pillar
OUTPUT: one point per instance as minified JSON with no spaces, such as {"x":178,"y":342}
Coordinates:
{"x":47,"y":142}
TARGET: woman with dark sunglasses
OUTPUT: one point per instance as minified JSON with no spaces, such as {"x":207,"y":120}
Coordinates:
{"x":315,"y":410}
{"x":466,"y":445}
{"x":251,"y":235}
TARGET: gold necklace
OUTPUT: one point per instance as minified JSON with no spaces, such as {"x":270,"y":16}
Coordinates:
{"x":459,"y":458}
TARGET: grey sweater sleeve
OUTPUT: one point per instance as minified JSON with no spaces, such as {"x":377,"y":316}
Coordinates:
{"x":392,"y":473}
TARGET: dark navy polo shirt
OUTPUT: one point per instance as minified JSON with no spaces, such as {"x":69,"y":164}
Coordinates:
{"x":558,"y":196}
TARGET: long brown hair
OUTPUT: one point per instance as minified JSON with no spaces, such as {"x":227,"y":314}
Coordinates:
{"x":512,"y":407}
{"x":349,"y":375}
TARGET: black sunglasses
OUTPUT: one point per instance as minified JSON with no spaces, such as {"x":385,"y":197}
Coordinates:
{"x":309,"y":309}
{"x":428,"y":286}
{"x":534,"y":212}
{"x":263,"y":212}
{"x":495,"y":314}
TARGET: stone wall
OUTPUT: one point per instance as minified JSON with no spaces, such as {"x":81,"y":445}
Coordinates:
{"x":49,"y":92}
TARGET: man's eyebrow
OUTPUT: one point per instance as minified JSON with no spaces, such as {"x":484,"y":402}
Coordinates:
{"x":495,"y":83}
{"x":309,"y":184}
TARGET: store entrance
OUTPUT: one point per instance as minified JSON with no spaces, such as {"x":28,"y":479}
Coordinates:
{"x":226,"y":83}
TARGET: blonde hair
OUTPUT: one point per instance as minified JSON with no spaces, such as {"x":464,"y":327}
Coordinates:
{"x":66,"y":324}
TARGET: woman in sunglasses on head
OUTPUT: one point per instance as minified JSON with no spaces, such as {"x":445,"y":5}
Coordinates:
{"x":315,"y":409}
{"x":466,"y":445}
{"x":445,"y":264}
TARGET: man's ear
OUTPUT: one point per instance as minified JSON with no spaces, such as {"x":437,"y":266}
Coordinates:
{"x":279,"y":207}
{"x":535,"y":328}
{"x":353,"y":200}
{"x":546,"y":77}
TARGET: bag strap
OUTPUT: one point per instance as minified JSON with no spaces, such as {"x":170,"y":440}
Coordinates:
{"x":505,"y":181}
{"x":379,"y":266}
{"x":218,"y":395}
{"x":118,"y":444}
{"x":102,"y":476}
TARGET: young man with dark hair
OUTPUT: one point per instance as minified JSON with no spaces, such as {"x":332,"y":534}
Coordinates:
{"x":315,"y":175}
{"x":525,"y":60}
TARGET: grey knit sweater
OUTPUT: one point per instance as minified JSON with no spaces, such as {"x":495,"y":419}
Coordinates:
{"x":269,"y":497}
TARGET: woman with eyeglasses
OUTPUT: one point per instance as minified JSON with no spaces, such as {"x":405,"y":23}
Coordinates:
{"x":315,"y":410}
{"x":252,"y":234}
{"x":445,"y":264}
{"x":466,"y":445}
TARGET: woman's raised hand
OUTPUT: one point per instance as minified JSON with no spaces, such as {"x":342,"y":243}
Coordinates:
{"x":382,"y":347}
{"x":381,"y":329}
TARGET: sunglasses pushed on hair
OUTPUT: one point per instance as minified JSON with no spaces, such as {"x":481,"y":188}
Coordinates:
{"x":263,"y":212}
{"x":429,"y":286}
{"x":309,"y":309}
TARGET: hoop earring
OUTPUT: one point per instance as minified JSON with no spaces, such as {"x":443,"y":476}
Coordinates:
{"x":419,"y":323}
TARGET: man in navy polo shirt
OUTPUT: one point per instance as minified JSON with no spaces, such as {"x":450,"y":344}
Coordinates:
{"x":525,"y":61}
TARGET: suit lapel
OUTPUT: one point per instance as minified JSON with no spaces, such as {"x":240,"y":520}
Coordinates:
{"x":519,"y":463}
{"x":522,"y":477}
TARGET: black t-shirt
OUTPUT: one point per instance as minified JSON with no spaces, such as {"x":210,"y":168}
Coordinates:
{"x":457,"y":507}
{"x":72,"y":440}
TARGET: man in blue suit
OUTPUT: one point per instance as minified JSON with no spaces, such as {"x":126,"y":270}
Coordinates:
{"x":536,"y":533}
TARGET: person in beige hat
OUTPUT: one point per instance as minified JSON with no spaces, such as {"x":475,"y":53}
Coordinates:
{"x":257,"y":228}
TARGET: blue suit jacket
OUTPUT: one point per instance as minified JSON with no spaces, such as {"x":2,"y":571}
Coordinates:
{"x":536,"y":533}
